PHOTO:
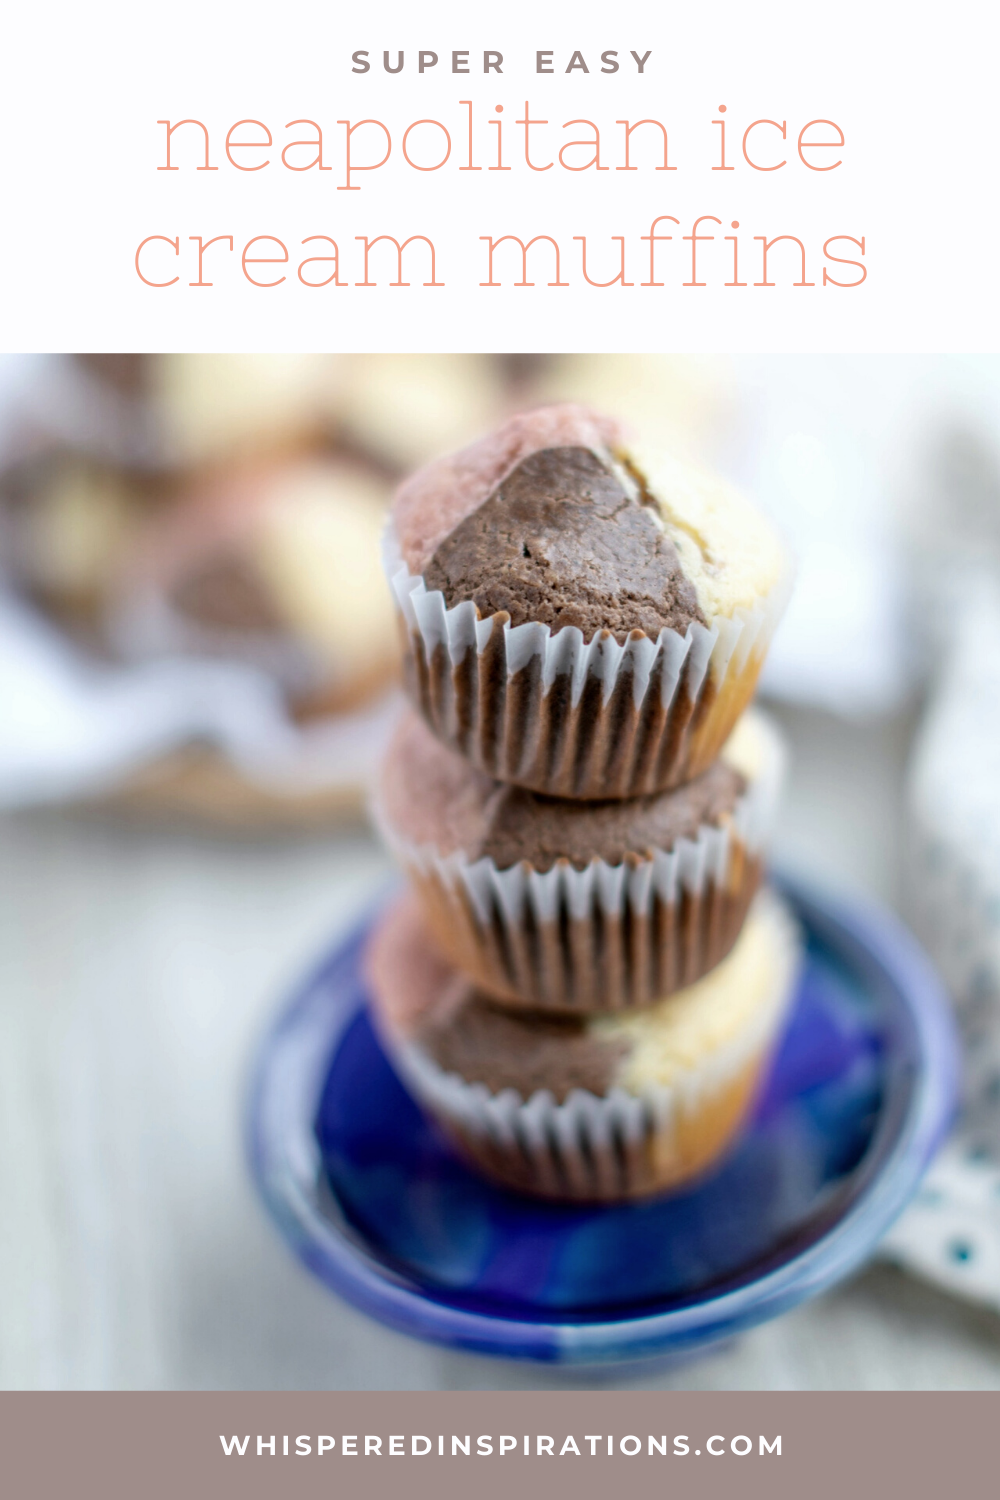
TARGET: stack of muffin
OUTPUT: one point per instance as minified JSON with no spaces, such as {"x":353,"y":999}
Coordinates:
{"x":585,"y":979}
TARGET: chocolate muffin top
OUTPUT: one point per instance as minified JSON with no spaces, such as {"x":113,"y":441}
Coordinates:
{"x":430,"y":795}
{"x":565,"y":539}
{"x":557,"y":516}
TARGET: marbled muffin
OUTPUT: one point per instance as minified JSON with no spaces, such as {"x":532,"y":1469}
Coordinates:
{"x":276,"y":565}
{"x":573,"y":906}
{"x":576,"y":622}
{"x":585,"y":1108}
{"x":213,"y":409}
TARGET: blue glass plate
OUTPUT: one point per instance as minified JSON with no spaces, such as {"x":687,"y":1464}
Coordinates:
{"x":373,"y":1199}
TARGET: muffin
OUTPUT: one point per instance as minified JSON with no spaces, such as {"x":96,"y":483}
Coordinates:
{"x":592,"y":1108}
{"x":212,"y":408}
{"x":66,"y":522}
{"x":275,"y":566}
{"x":571,"y":906}
{"x":672,"y":400}
{"x":573,"y":622}
{"x":402,"y":408}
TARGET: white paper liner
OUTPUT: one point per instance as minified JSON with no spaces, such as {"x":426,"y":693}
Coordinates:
{"x":721,"y":649}
{"x":689,"y":866}
{"x":569,"y":1148}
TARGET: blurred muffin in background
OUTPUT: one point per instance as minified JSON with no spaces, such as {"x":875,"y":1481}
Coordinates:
{"x":402,"y":409}
{"x":395,"y":410}
{"x":128,"y":374}
{"x":212,"y":407}
{"x":277,"y":566}
{"x":228,"y":508}
{"x":66,"y":522}
{"x":195,"y":410}
{"x":664,"y":401}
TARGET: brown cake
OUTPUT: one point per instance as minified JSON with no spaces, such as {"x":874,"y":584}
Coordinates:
{"x":276,"y":565}
{"x":580,"y":906}
{"x":563,"y":541}
{"x":577,"y":620}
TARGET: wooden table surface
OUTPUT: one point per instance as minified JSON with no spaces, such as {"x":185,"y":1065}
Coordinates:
{"x":138,"y":966}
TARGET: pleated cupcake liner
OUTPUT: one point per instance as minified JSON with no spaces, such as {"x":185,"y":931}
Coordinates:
{"x":608,"y":937}
{"x":622,"y":1145}
{"x":572,"y":718}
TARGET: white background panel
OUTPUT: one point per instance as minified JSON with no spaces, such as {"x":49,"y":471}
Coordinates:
{"x":909,"y":86}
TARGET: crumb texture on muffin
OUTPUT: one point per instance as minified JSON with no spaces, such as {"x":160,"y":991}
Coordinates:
{"x":562,"y":542}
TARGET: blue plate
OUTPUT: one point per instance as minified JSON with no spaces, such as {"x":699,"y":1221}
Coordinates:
{"x":372,"y":1198}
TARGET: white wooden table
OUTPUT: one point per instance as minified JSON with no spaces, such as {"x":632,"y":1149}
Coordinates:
{"x":137,"y":969}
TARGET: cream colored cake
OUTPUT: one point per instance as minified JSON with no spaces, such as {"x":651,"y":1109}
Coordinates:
{"x":728,"y":548}
{"x":213,"y":405}
{"x":717,"y":1022}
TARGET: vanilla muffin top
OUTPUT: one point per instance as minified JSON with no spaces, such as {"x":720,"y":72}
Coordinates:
{"x":728,"y":550}
{"x":667,"y":1040}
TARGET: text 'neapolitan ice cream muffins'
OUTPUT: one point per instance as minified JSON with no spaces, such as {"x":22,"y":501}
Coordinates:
{"x":588,"y":1109}
{"x":581,"y":906}
{"x":576,"y":624}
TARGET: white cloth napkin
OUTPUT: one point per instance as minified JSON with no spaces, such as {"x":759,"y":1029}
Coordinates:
{"x":70,"y":727}
{"x":951,"y":1233}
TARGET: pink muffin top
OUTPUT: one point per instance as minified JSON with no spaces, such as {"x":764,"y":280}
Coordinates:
{"x":430,"y":796}
{"x":419,"y":998}
{"x":412,"y":984}
{"x":430,"y":504}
